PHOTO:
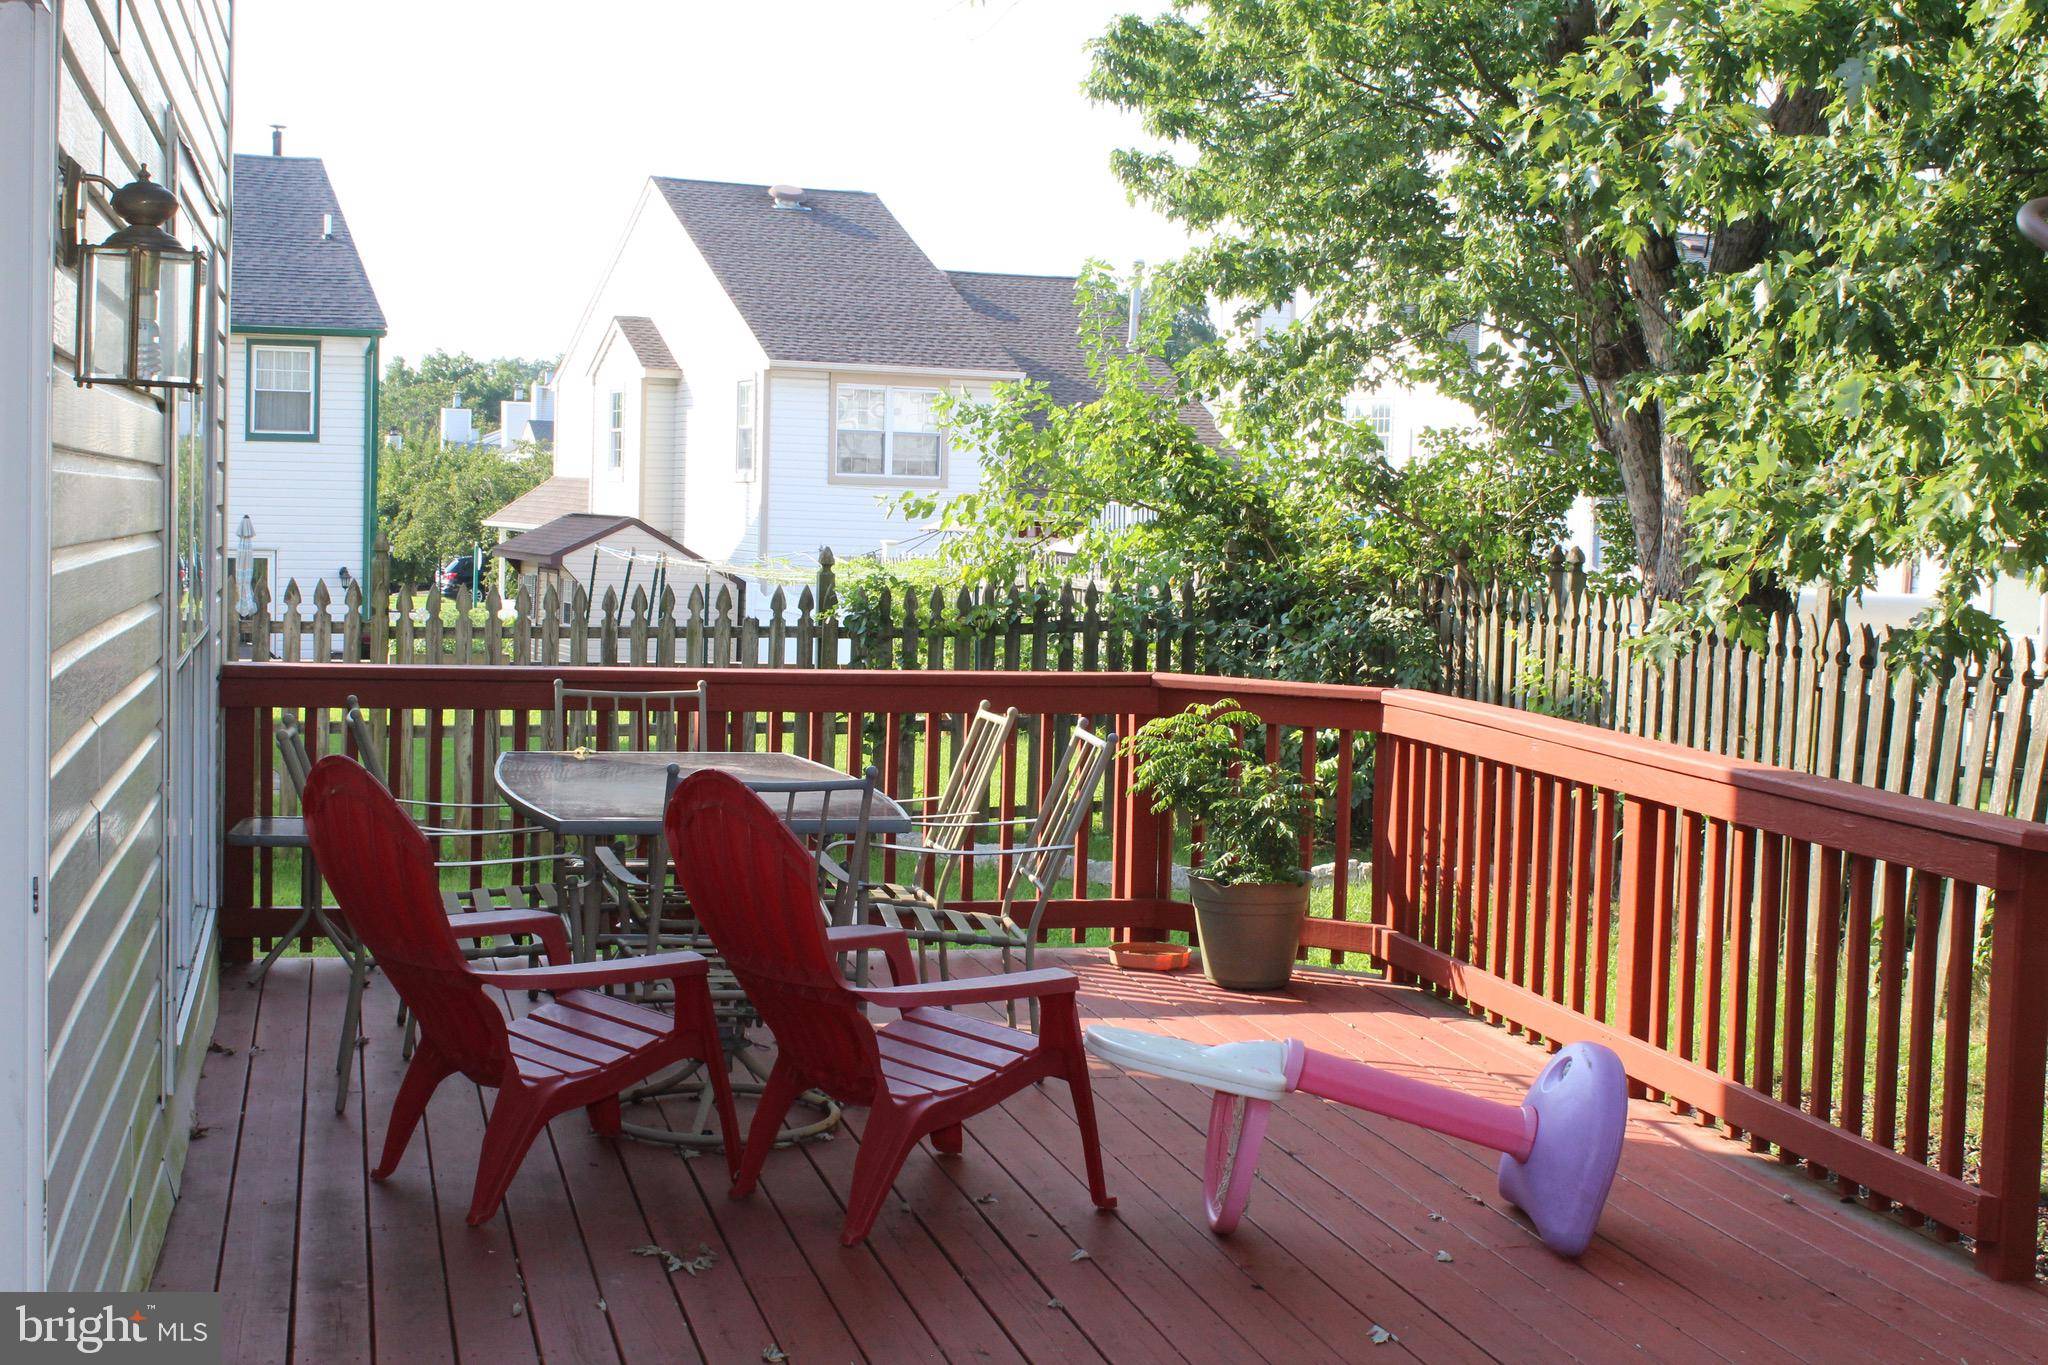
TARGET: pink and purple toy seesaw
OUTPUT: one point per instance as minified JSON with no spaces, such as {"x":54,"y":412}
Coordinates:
{"x":1559,"y":1147}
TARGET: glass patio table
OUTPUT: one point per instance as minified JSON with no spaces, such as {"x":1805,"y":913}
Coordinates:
{"x":595,"y":796}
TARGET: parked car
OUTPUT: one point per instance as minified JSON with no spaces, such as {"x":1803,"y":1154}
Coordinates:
{"x":463,"y":571}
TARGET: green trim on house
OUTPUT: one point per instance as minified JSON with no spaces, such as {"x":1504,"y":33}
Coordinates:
{"x":249,"y":345}
{"x":241,"y":330}
{"x":372,"y":390}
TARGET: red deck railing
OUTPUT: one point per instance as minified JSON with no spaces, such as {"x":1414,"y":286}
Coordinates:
{"x":1854,"y":980}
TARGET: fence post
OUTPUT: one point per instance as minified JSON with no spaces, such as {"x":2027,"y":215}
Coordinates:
{"x":2016,"y":1054}
{"x":828,"y":607}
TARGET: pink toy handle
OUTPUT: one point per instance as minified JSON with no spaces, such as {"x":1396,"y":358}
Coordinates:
{"x":1509,"y":1128}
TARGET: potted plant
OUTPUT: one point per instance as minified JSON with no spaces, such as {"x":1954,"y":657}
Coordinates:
{"x":1251,"y":894}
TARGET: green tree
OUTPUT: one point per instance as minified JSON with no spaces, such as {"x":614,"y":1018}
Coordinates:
{"x":1760,"y":249}
{"x":432,"y":499}
{"x":1282,"y":541}
{"x":411,"y":397}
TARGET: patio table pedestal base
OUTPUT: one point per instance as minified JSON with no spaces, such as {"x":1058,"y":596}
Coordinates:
{"x":688,"y":1081}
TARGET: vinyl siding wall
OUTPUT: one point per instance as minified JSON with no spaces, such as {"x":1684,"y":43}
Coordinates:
{"x":116,"y":1134}
{"x":807,"y":508}
{"x":305,"y":498}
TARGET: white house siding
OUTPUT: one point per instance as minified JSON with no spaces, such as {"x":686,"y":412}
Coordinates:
{"x":808,"y":509}
{"x":115,"y":1137}
{"x":657,"y":273}
{"x":618,"y":370}
{"x":305,"y":498}
{"x":662,"y":472}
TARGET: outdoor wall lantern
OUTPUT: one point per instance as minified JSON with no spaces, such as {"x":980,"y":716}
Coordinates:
{"x":139,"y":291}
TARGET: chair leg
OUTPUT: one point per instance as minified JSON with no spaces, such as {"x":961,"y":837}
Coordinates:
{"x":351,"y":1028}
{"x":950,"y":1139}
{"x":883,"y":1149}
{"x":1066,"y":1035}
{"x":1030,"y":954}
{"x":1010,"y":1006}
{"x":720,"y":1068}
{"x":777,"y":1096}
{"x":604,"y":1116}
{"x":426,"y":1073}
{"x":516,"y":1120}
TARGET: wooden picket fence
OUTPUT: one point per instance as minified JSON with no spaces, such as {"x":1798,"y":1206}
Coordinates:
{"x":1817,"y":697}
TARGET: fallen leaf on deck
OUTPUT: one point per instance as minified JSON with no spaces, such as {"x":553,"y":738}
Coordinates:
{"x":984,"y":1199}
{"x":1054,"y":1303}
{"x":668,"y":1258}
{"x":1080,"y":1254}
{"x":1444,"y":1256}
{"x":1380,"y":1335}
{"x":221,"y":1049}
{"x":1436,"y":1218}
{"x":519,"y":1310}
{"x":773,"y":1353}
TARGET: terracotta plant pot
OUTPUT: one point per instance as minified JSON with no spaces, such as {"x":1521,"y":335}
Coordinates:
{"x":1249,"y":933}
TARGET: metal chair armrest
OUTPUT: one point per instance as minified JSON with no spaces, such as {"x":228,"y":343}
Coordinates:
{"x":542,"y":924}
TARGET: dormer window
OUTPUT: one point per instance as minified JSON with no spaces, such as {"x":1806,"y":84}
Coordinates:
{"x":883,"y":431}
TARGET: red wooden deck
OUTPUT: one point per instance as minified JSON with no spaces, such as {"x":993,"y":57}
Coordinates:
{"x":1707,"y":1251}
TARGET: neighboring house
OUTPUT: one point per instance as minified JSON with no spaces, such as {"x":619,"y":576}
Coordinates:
{"x":528,"y":418}
{"x":110,"y":557}
{"x":757,"y":373}
{"x":302,"y":376}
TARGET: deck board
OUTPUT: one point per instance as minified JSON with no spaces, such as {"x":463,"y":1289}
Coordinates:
{"x":1708,"y":1251}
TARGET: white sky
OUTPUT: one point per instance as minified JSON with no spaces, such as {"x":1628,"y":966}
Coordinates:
{"x":486,"y":154}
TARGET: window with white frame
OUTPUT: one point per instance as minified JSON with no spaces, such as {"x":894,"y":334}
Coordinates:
{"x":282,"y":384}
{"x":1382,"y":419}
{"x":743,"y":431}
{"x":615,"y":430}
{"x":885,"y":431}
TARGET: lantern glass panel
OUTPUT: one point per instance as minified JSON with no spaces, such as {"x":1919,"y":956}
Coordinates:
{"x":108,"y":293}
{"x":164,"y":343}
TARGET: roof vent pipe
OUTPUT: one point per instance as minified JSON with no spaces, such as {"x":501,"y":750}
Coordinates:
{"x":277,"y":139}
{"x":787,"y":196}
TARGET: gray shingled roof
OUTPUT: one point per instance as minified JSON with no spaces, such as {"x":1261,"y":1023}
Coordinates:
{"x":555,"y":497}
{"x":647,"y":343}
{"x":1037,"y":321}
{"x":285,"y":273}
{"x":837,"y":283}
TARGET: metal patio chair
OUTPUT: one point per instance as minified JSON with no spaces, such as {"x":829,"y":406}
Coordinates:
{"x":1029,"y":871}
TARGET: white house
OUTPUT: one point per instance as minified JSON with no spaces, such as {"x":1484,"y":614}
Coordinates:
{"x":527,"y":418}
{"x":757,"y":372}
{"x":302,"y":376}
{"x":110,"y":536}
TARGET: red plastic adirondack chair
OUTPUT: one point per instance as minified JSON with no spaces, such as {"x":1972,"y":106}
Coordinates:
{"x":577,"y":1051}
{"x":755,"y":891}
